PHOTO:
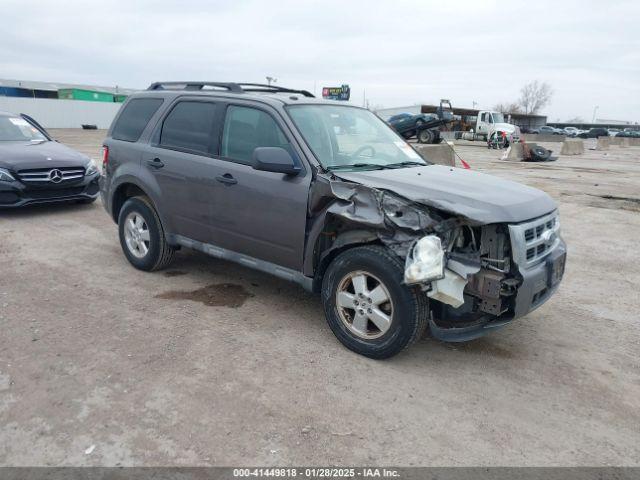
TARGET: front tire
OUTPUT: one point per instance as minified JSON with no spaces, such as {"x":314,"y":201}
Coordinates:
{"x":142,"y":236}
{"x":367,"y":306}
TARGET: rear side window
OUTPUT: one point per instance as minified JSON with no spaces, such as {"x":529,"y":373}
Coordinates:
{"x":246,"y":129}
{"x":134,"y":118}
{"x":189,"y":126}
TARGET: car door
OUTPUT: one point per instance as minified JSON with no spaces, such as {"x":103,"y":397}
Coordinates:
{"x":482,"y":126}
{"x":180,"y":158}
{"x":256,"y":213}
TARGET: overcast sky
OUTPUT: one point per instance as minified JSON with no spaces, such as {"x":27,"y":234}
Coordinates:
{"x":398,"y":52}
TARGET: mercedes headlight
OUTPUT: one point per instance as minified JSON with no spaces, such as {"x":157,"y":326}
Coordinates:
{"x":5,"y":176}
{"x":90,"y":168}
{"x":425,"y":261}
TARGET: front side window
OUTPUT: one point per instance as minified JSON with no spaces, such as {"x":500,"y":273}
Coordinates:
{"x":134,"y":118}
{"x":189,"y":126}
{"x":246,"y":129}
{"x":17,"y":129}
{"x":343,"y":137}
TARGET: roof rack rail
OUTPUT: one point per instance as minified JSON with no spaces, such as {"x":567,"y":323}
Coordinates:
{"x":261,"y":87}
{"x":232,"y":87}
{"x":228,"y":86}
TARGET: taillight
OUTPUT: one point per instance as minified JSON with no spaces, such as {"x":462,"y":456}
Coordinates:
{"x":105,"y":158}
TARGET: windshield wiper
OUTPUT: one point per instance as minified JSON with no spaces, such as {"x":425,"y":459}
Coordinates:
{"x":357,"y":165}
{"x":405,"y":164}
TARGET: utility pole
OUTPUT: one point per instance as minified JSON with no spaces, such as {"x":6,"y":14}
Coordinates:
{"x":595,"y":109}
{"x":270,"y":80}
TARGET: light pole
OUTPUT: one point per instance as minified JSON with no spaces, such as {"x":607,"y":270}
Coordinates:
{"x":270,"y":80}
{"x":595,"y":109}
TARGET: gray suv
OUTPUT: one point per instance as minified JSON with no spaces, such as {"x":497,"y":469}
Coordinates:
{"x":327,"y":195}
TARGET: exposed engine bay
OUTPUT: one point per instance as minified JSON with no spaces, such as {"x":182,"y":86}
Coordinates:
{"x":466,"y":267}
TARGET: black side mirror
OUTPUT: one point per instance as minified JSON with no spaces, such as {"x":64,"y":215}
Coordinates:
{"x":275,"y":159}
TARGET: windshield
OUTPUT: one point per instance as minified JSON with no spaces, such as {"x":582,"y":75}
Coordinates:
{"x":343,"y":137}
{"x":16,"y":129}
{"x":498,"y":117}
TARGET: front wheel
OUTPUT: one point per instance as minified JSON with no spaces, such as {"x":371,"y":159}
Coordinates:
{"x":367,"y":306}
{"x":142,"y":236}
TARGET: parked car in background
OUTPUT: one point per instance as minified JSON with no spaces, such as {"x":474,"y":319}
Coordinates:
{"x":264,"y":176}
{"x":613,"y":132}
{"x":547,"y":130}
{"x":629,"y":133}
{"x":571,"y":131}
{"x":594,"y":133}
{"x":407,"y":124}
{"x":36,"y":169}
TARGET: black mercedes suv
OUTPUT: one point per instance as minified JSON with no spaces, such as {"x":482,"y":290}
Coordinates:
{"x":34,"y":168}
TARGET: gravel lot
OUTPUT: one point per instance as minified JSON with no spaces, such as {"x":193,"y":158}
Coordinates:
{"x":209,"y":363}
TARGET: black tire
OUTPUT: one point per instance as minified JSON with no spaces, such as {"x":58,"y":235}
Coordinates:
{"x":425,"y":136}
{"x":159,"y":253}
{"x":410,"y":306}
{"x":540,"y":154}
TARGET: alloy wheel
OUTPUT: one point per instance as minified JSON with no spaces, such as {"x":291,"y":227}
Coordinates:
{"x":136,"y":235}
{"x":364,"y":305}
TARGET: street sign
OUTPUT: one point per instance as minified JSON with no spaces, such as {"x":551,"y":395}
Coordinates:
{"x":336,"y":93}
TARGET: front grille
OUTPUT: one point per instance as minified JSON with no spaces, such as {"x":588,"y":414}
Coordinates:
{"x":40,"y":175}
{"x":532,"y":241}
{"x":57,"y":193}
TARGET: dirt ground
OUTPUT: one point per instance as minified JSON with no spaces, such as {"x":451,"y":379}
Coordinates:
{"x":209,"y":363}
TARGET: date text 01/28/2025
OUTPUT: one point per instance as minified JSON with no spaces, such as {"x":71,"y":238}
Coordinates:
{"x":315,"y":472}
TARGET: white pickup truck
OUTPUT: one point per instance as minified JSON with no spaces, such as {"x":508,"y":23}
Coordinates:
{"x":488,"y":124}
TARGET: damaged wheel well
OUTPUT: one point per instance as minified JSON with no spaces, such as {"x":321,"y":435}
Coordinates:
{"x":341,"y":243}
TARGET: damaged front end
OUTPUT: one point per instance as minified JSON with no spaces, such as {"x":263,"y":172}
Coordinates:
{"x":478,"y":276}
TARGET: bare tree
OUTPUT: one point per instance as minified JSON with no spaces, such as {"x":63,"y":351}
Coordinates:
{"x":511,"y":107}
{"x":535,"y":96}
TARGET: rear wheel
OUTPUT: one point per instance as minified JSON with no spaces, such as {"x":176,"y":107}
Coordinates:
{"x":425,"y":136}
{"x":366,"y":305}
{"x":142,"y":236}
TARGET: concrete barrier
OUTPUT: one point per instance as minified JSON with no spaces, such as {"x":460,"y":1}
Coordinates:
{"x":515,"y":152}
{"x":572,"y":146}
{"x":623,"y":141}
{"x":442,"y":154}
{"x":603,"y":143}
{"x":543,"y":137}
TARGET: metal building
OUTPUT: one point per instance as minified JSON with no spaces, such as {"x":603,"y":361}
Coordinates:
{"x":85,"y":104}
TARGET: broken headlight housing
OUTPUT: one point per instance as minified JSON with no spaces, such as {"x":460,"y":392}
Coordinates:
{"x":425,"y":261}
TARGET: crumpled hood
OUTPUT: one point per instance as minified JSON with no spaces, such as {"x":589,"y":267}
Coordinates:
{"x":479,"y":197}
{"x":21,"y":155}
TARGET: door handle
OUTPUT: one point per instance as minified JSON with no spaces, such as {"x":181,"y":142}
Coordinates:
{"x":227,"y":179}
{"x":155,"y":163}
